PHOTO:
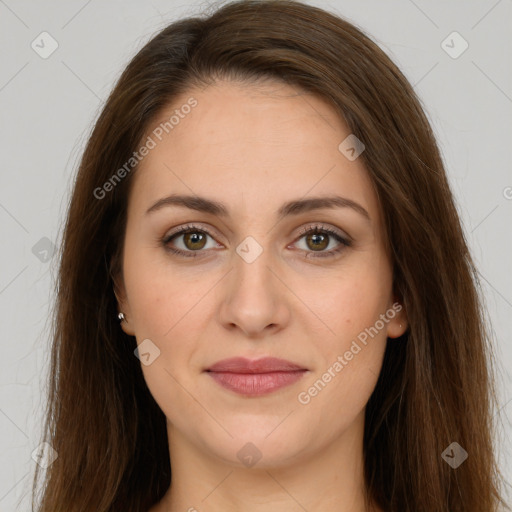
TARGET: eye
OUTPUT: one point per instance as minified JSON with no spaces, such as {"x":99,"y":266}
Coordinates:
{"x":194,"y":240}
{"x":318,"y":237}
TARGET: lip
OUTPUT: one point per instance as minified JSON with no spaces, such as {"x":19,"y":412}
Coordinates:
{"x":263,"y":365}
{"x":255,"y":377}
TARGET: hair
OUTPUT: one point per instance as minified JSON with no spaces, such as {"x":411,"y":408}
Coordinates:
{"x":436,"y":385}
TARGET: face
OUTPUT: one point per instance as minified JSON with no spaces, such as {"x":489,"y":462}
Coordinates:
{"x":255,"y":278}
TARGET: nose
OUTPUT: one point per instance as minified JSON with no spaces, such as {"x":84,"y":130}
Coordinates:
{"x":254,"y":297}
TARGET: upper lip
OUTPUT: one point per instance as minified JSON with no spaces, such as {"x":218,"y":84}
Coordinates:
{"x":263,"y":365}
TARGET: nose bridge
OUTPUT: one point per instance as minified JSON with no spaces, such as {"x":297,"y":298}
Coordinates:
{"x":254,"y":300}
{"x":251,"y":262}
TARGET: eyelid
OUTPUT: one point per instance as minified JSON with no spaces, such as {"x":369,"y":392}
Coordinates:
{"x":189,"y":227}
{"x":303,"y":230}
{"x":320,"y":226}
{"x":344,"y":240}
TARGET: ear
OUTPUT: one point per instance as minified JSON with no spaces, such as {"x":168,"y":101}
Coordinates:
{"x":123,"y":305}
{"x":397,"y":314}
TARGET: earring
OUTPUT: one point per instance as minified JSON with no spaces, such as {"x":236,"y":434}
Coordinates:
{"x":121,"y":316}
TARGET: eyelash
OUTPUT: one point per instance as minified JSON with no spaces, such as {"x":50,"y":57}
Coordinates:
{"x":312,"y":229}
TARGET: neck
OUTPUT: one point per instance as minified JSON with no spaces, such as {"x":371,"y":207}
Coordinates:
{"x":329,"y":480}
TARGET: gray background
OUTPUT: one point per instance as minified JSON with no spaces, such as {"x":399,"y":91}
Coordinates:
{"x":48,"y":107}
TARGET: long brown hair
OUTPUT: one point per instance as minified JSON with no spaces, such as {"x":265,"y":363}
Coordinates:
{"x":436,"y":386}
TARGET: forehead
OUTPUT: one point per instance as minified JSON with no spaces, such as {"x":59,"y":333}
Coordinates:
{"x":251,"y":147}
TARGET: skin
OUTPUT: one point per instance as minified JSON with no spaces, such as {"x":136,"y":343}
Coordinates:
{"x":254,"y":147}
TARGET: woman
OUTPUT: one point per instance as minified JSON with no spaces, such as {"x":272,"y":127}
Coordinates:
{"x":266,"y":301}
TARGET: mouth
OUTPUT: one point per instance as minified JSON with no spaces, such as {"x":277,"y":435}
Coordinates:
{"x":255,"y":377}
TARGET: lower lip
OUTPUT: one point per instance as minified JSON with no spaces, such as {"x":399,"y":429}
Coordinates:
{"x":255,"y":384}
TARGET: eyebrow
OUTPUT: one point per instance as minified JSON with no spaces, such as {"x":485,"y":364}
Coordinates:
{"x":295,"y":207}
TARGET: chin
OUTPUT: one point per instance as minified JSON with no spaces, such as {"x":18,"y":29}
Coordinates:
{"x":260,"y":448}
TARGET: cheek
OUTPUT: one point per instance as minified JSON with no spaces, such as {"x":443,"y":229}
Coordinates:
{"x":346,"y":376}
{"x":352,"y":348}
{"x":164,"y":307}
{"x":349,"y":302}
{"x":162,"y":296}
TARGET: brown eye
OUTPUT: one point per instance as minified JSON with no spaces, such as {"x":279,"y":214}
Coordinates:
{"x":318,"y":241}
{"x":191,"y":241}
{"x":194,"y":240}
{"x":318,"y":238}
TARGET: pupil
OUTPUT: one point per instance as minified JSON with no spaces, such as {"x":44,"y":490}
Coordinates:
{"x":194,"y":238}
{"x":319,"y":238}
